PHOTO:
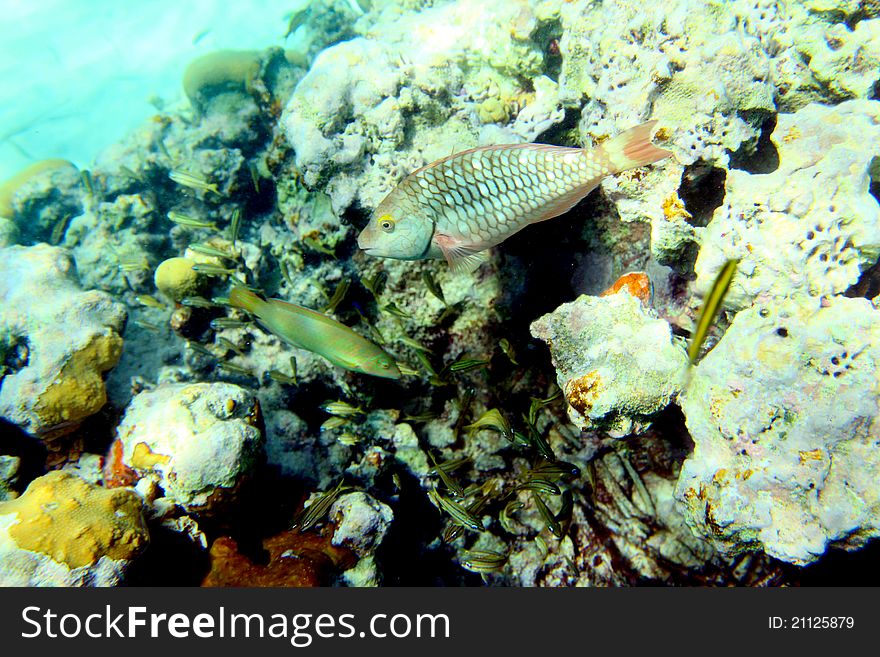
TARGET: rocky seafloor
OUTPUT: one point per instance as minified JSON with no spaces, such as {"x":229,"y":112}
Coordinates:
{"x":152,"y":434}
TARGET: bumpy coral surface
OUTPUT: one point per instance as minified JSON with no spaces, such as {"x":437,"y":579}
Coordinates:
{"x":197,"y":442}
{"x":616,"y":363}
{"x":372,"y":109}
{"x":812,"y":225}
{"x":58,"y":341}
{"x":783,"y":413}
{"x":65,"y":532}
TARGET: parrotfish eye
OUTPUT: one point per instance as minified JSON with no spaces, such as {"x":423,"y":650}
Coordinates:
{"x":386,"y":223}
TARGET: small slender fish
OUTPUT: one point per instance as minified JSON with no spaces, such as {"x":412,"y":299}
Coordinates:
{"x":456,"y":511}
{"x":200,"y":349}
{"x":132,"y":262}
{"x":193,"y":181}
{"x":392,"y":309}
{"x":212,"y":270}
{"x":451,"y":485}
{"x":433,"y":287}
{"x":451,"y":465}
{"x":467,"y":364}
{"x":134,"y":175}
{"x":711,"y":306}
{"x":314,"y":513}
{"x":58,"y":230}
{"x":458,"y":207}
{"x":507,"y":348}
{"x":229,"y":344}
{"x":281,"y":377}
{"x":220,"y":301}
{"x":317,"y":333}
{"x":536,"y":439}
{"x":295,"y":19}
{"x":552,"y":524}
{"x":235,"y":369}
{"x":482,"y":561}
{"x":415,"y":344}
{"x":318,"y":246}
{"x":208,"y":250}
{"x":333,"y":423}
{"x":419,"y":417}
{"x":87,"y":182}
{"x":406,"y":370}
{"x":492,"y":419}
{"x":149,"y":301}
{"x":555,"y":471}
{"x":540,"y":486}
{"x":238,"y":281}
{"x":196,"y":302}
{"x":504,"y":517}
{"x":164,"y":149}
{"x":184,"y":220}
{"x":234,"y":226}
{"x":155,"y":328}
{"x":227,"y":323}
{"x":255,"y":176}
{"x":338,"y":295}
{"x":375,"y":284}
{"x":473,"y":508}
{"x":341,"y":409}
{"x":348,"y":439}
{"x":537,"y":404}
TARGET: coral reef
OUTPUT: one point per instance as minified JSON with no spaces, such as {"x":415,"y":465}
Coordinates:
{"x":547,"y":429}
{"x":295,"y":559}
{"x":56,"y":351}
{"x":65,"y":532}
{"x":191,"y":445}
{"x":616,"y":363}
{"x":812,"y":225}
{"x":413,"y":88}
{"x":47,"y":194}
{"x":783,"y":414}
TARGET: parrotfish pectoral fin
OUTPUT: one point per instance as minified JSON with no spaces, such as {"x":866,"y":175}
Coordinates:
{"x":633,"y":148}
{"x":462,"y":258}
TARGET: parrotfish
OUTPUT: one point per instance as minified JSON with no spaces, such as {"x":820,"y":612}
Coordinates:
{"x":458,"y":207}
{"x":312,"y":331}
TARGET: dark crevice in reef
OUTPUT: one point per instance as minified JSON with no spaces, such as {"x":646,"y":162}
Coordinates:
{"x":874,"y":173}
{"x":701,"y":190}
{"x":868,"y":285}
{"x":875,"y":91}
{"x":840,"y":568}
{"x":32,"y":453}
{"x":547,"y":37}
{"x":564,"y":133}
{"x":172,"y":559}
{"x":403,"y":556}
{"x":763,"y":158}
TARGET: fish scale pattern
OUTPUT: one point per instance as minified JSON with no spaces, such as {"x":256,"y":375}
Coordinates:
{"x":486,"y":194}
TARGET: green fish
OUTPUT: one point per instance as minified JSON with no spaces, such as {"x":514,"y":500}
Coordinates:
{"x":711,"y":306}
{"x":312,"y":331}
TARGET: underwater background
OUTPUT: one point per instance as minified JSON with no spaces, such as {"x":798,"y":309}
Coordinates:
{"x":220,"y":366}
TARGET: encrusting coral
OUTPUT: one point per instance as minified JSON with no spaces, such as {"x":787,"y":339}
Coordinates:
{"x":63,"y":531}
{"x":64,"y":344}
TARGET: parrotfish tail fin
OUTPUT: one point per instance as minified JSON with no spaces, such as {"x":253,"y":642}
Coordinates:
{"x":633,"y":148}
{"x":243,"y":298}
